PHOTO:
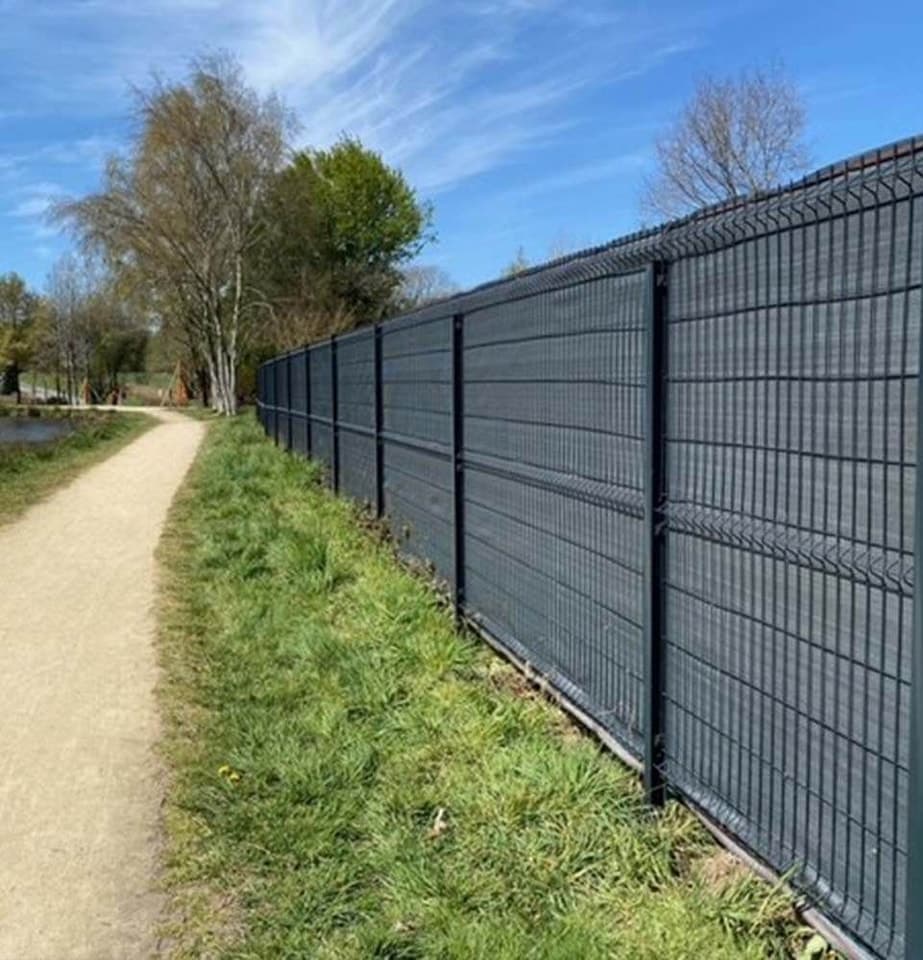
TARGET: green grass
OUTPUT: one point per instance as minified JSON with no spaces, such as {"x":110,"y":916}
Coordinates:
{"x":30,"y":472}
{"x":351,"y":778}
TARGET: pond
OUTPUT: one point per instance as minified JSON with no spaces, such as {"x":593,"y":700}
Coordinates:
{"x":16,"y":430}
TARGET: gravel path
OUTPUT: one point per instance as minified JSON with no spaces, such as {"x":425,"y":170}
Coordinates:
{"x":80,"y":786}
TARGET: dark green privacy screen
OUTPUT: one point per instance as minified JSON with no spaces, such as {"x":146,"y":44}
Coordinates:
{"x":676,"y":475}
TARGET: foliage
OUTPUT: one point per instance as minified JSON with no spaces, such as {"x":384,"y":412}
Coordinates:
{"x":353,"y":778}
{"x":736,"y":137}
{"x":18,"y":312}
{"x":340,"y":225}
{"x":93,"y":328}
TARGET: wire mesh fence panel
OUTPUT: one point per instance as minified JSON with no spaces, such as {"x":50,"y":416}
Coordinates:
{"x":356,"y":414}
{"x":271,"y":379}
{"x":298,"y":374}
{"x":416,"y":429}
{"x":791,"y":460}
{"x":553,"y":399}
{"x":711,"y":527}
{"x":321,"y":398}
{"x":284,"y":436}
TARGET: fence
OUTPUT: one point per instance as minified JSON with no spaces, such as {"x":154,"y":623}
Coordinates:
{"x":676,"y":475}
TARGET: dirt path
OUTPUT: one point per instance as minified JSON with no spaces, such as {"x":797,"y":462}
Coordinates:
{"x":79,"y":784}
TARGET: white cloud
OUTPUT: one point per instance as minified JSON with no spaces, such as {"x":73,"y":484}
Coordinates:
{"x":581,"y":174}
{"x":446,"y":90}
{"x":35,"y":199}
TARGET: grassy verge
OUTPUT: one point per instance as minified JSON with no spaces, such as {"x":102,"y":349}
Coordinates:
{"x":352,"y":779}
{"x":30,"y":472}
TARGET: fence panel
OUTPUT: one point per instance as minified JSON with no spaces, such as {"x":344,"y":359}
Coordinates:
{"x":321,"y":413}
{"x":273,"y":399}
{"x":677,"y":475}
{"x":298,"y":374}
{"x":553,"y":450}
{"x":417,"y":430}
{"x":792,"y":366}
{"x":356,"y":414}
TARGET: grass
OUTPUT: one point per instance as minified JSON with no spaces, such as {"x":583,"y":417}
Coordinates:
{"x":29,"y":473}
{"x":351,"y":778}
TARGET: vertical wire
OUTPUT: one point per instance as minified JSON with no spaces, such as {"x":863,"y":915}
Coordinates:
{"x":872,"y":545}
{"x":854,"y":381}
{"x":889,"y":287}
{"x":902,"y":621}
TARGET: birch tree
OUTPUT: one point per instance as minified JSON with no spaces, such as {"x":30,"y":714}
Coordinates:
{"x":183,"y":208}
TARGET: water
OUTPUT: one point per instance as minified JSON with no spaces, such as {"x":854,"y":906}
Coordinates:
{"x":16,"y":430}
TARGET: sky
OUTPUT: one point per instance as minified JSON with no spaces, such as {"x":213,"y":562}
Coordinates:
{"x":527,"y":123}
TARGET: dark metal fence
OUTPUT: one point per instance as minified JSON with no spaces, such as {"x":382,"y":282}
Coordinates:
{"x":676,"y":475}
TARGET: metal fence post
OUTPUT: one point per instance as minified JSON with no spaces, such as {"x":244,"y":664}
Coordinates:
{"x":458,"y":466}
{"x":334,"y":414}
{"x":379,"y":420}
{"x":913,"y":947}
{"x":654,"y":316}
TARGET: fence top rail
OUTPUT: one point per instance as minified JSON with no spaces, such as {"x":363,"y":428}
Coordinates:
{"x":865,"y":180}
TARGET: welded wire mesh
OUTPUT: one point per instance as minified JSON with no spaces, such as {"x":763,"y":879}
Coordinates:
{"x":780,"y":546}
{"x":356,"y":414}
{"x":417,"y":432}
{"x":320,"y":415}
{"x":553,"y":452}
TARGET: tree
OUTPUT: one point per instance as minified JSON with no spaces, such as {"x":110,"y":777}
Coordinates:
{"x":18,"y":308}
{"x":184,"y":209}
{"x":423,"y":284}
{"x":519,"y":264}
{"x":67,"y":294}
{"x":115,"y":332}
{"x":735,"y":138}
{"x":341,"y":224}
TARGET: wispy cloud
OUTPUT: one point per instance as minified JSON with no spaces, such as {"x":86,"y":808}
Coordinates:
{"x":35,"y":199}
{"x":447,"y":90}
{"x":580,"y":175}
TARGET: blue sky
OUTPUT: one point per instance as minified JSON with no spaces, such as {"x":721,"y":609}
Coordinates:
{"x":527,"y":122}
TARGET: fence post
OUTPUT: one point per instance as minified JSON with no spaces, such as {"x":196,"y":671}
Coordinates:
{"x":913,"y":933}
{"x":654,"y":318}
{"x":458,"y":466}
{"x":309,"y":425}
{"x":379,"y":420}
{"x":334,"y":415}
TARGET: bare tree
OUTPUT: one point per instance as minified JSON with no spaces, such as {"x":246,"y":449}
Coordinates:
{"x":68,"y":292}
{"x":735,"y":138}
{"x":422,"y":284}
{"x":519,"y":264}
{"x":184,"y":208}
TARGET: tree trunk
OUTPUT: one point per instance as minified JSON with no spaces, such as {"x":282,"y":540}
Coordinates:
{"x":204,"y":386}
{"x":11,"y":381}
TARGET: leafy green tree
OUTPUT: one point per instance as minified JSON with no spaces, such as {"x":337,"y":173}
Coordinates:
{"x":18,"y":309}
{"x":341,"y":225}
